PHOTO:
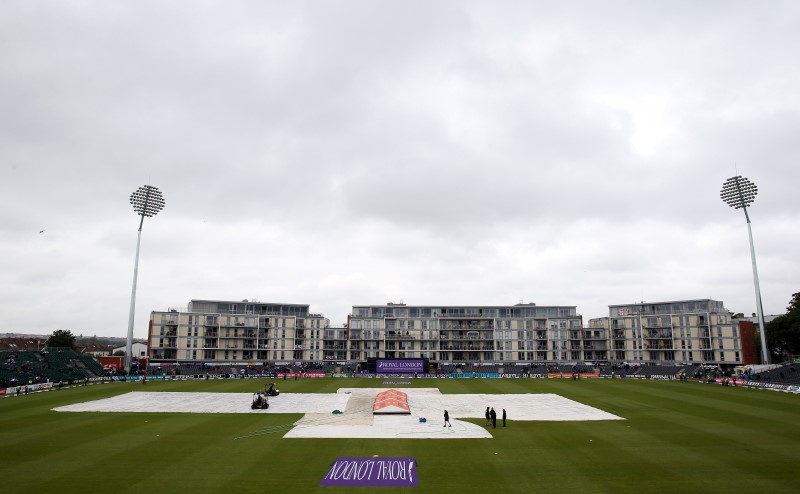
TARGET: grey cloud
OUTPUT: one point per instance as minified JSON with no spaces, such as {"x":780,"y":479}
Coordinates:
{"x":458,"y":152}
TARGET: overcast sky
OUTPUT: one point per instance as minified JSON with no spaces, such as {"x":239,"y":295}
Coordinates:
{"x":341,"y":153}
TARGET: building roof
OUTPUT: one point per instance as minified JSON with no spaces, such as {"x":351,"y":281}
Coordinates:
{"x":22,"y":344}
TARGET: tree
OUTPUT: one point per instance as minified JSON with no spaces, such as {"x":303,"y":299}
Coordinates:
{"x":119,"y":353}
{"x":783,"y":332}
{"x":61,"y":338}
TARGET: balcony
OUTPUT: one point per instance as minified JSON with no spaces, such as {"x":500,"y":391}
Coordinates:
{"x":594,"y":336}
{"x":397,"y":335}
{"x":465,"y":338}
{"x":468,"y":326}
{"x":467,"y":348}
{"x":653,"y":335}
{"x":657,"y":326}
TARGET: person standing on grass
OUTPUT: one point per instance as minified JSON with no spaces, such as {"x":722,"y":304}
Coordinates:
{"x":493,"y":415}
{"x":504,"y":417}
{"x":488,"y":416}
{"x":447,"y":419}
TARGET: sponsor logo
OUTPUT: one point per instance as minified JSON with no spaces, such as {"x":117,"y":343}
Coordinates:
{"x":380,"y":472}
{"x":394,"y":366}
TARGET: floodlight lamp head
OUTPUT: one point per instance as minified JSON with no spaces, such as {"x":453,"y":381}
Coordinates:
{"x":738,"y":192}
{"x":147,"y":201}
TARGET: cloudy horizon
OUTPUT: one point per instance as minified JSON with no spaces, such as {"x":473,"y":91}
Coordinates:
{"x":357,"y":153}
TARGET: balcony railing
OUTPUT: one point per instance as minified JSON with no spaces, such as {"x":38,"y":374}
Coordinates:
{"x":663,"y":346}
{"x":466,"y":348}
{"x":397,"y":336}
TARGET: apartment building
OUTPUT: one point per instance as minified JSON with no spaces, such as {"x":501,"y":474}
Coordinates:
{"x":683,"y":331}
{"x":236,"y":332}
{"x":521,"y":333}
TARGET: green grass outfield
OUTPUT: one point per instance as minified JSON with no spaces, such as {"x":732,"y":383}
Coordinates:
{"x":678,"y":437}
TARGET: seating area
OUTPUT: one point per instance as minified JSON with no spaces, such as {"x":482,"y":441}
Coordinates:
{"x":52,"y":364}
{"x":92,"y":365}
{"x":521,"y":370}
{"x":65,"y":365}
{"x":788,"y":373}
{"x":649,"y":371}
{"x":251,"y":370}
{"x":570,"y":368}
{"x":692,"y":371}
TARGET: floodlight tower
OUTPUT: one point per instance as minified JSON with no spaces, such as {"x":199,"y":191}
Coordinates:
{"x":738,"y":192}
{"x":146,"y":201}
